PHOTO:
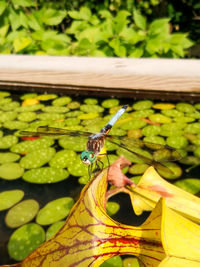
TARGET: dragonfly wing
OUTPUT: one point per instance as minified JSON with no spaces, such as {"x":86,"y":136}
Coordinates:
{"x":51,"y":131}
{"x":154,"y":152}
{"x":148,"y":160}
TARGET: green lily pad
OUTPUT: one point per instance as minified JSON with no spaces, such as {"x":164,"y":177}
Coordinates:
{"x":57,"y":124}
{"x":8,"y":157}
{"x":28,"y":146}
{"x":46,"y":97}
{"x":30,"y":108}
{"x":73,"y":114}
{"x":134,"y":124}
{"x":142,"y":104}
{"x":110,"y":103}
{"x":27,"y":96}
{"x":91,"y":101}
{"x":131,"y":262}
{"x":142,"y":113}
{"x":4,"y":101}
{"x":73,"y":105}
{"x":78,"y":168}
{"x":112,"y":207}
{"x":45,"y":175}
{"x":37,"y":158}
{"x":21,"y":213}
{"x":27,"y":116}
{"x":61,"y":101}
{"x":8,"y":141}
{"x":73,"y":143}
{"x":8,"y":116}
{"x":50,"y":116}
{"x":24,"y":240}
{"x":13,"y":125}
{"x":72,"y":121}
{"x":63,"y":158}
{"x":53,"y":229}
{"x":176,"y":171}
{"x":11,"y":171}
{"x":55,"y":210}
{"x":10,"y":198}
{"x":138,"y":168}
{"x":55,"y":109}
{"x":191,"y":185}
{"x":4,"y":94}
{"x":10,"y":106}
{"x":91,"y":108}
{"x":34,"y":125}
{"x":115,"y":261}
{"x":84,"y":179}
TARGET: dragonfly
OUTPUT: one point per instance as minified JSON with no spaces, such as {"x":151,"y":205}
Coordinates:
{"x":96,"y":141}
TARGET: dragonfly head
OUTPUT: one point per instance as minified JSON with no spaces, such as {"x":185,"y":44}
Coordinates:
{"x":88,"y":157}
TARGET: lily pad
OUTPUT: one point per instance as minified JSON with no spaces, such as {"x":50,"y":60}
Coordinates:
{"x":28,"y":146}
{"x":10,"y":106}
{"x":4,"y":94}
{"x":78,"y":168}
{"x":4,"y":101}
{"x":30,"y":108}
{"x":27,"y":116}
{"x":8,"y":157}
{"x":91,"y":108}
{"x":13,"y":125}
{"x":45,"y":175}
{"x":24,"y":240}
{"x":50,"y":116}
{"x":53,"y":229}
{"x":61,"y":101}
{"x":73,"y":143}
{"x":46,"y":97}
{"x":11,"y":171}
{"x":8,"y":141}
{"x":8,"y":116}
{"x":191,"y":185}
{"x":37,"y":158}
{"x":63,"y":159}
{"x":21,"y":213}
{"x":27,"y":96}
{"x":55,"y":109}
{"x":55,"y":210}
{"x":112,"y":207}
{"x":10,"y":198}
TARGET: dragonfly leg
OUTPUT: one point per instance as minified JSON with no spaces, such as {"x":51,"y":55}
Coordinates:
{"x":90,"y":170}
{"x":97,"y":165}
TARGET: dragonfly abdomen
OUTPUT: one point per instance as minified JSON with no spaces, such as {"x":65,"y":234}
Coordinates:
{"x":112,"y":121}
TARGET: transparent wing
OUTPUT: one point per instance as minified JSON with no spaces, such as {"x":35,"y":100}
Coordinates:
{"x":51,"y":131}
{"x":152,"y":154}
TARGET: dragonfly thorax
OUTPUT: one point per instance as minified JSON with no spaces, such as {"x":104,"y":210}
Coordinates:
{"x":88,"y":157}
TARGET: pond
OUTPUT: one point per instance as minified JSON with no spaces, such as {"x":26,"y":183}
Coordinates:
{"x":47,"y":174}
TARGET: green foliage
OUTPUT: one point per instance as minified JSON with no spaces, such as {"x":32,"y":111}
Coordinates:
{"x":110,"y":28}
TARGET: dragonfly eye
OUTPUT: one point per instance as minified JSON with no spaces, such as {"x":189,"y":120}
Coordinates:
{"x":88,"y":157}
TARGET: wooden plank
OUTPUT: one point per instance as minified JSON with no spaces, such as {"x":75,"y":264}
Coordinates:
{"x":175,"y":75}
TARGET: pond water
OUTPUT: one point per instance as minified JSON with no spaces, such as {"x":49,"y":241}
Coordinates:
{"x":45,"y":169}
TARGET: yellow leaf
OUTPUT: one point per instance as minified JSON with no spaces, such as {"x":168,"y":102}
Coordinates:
{"x":152,"y":186}
{"x":90,"y":237}
{"x":20,"y":43}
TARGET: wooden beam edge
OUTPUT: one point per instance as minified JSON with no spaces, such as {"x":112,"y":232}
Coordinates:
{"x":145,"y":74}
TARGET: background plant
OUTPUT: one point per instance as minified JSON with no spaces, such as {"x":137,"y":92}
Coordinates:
{"x":90,"y":28}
